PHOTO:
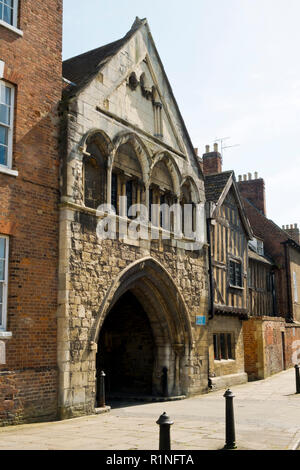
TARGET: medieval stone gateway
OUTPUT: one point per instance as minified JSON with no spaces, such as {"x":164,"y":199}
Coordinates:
{"x":129,"y":306}
{"x":145,"y":316}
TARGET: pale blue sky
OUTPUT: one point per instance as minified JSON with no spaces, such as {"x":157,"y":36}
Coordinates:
{"x":235,"y":71}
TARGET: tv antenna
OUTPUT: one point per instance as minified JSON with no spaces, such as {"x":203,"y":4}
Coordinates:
{"x":221,"y":140}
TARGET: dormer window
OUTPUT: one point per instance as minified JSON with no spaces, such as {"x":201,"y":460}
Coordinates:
{"x":260,"y":247}
{"x":9,"y":12}
{"x":257,"y":245}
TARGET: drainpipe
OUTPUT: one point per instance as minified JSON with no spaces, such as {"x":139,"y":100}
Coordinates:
{"x":274,"y":296}
{"x":211,"y":281}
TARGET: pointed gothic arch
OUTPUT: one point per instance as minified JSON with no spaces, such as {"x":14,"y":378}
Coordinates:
{"x":168,"y":317}
{"x":188,"y":180}
{"x":102,"y":139}
{"x":173,"y":169}
{"x":139,"y":148}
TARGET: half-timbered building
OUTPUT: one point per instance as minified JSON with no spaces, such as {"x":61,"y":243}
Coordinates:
{"x":228,"y":235}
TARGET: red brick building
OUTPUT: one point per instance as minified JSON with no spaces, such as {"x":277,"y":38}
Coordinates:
{"x":272,"y":337}
{"x":30,"y":83}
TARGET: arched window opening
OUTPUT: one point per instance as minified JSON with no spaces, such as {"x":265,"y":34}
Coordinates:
{"x":94,"y":174}
{"x":162,"y":197}
{"x":188,"y":210}
{"x":93,"y":184}
{"x":127,"y":180}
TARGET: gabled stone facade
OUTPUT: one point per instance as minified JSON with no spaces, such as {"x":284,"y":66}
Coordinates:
{"x":123,"y":135}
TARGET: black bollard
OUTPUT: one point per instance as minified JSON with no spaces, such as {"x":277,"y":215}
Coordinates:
{"x":165,"y":423}
{"x":101,"y":394}
{"x":297,"y":378}
{"x":230,"y":428}
{"x":164,"y":381}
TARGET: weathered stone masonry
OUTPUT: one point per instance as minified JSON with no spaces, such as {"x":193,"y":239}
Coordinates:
{"x":92,"y":269}
{"x":169,"y":281}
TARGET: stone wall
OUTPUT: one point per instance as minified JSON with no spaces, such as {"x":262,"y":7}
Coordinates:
{"x":168,"y":280}
{"x":227,"y":372}
{"x":93,"y":270}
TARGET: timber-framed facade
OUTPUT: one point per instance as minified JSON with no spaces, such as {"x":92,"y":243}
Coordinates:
{"x":228,"y":233}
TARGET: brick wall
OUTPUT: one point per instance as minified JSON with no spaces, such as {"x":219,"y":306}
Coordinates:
{"x":274,"y":350}
{"x":254,"y":191}
{"x":251,"y":344}
{"x":293,"y":231}
{"x":292,"y":345}
{"x":294,"y":256}
{"x":267,"y":346}
{"x":273,"y":237}
{"x":28,"y":213}
{"x":211,"y":162}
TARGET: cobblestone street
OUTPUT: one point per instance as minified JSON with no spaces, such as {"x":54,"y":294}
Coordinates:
{"x":267,"y":417}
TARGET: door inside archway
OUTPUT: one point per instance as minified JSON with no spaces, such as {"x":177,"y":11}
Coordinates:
{"x":126,"y":349}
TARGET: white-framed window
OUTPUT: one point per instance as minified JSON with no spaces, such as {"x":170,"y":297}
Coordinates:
{"x":9,"y":12}
{"x":4,"y":251}
{"x":7,"y":98}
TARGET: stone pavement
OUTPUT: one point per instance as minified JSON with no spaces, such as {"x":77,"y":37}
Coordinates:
{"x":267,"y":417}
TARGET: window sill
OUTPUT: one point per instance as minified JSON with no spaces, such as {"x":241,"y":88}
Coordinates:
{"x":224,"y":361}
{"x":5,"y":335}
{"x":11,"y":28}
{"x":8,"y":171}
{"x":236,"y":287}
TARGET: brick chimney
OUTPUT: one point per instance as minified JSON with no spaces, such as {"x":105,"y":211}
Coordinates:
{"x":293,"y":232}
{"x":253,"y":190}
{"x":212,"y":161}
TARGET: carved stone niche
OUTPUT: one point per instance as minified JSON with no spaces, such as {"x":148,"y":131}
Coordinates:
{"x":133,"y":81}
{"x":146,"y":86}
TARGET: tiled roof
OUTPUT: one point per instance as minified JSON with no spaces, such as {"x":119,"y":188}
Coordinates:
{"x":264,"y":259}
{"x":215,"y":185}
{"x":263,"y":226}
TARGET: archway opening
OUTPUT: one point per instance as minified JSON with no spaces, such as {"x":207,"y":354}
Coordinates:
{"x":126,"y":349}
{"x":127,"y":179}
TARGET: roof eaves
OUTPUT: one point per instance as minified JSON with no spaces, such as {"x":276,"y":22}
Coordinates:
{"x":291,"y":242}
{"x":279,"y":229}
